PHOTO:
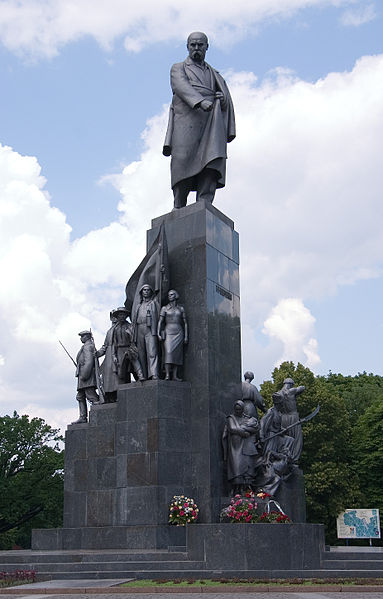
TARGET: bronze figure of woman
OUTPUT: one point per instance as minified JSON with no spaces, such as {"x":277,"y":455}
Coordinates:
{"x":173,"y":331}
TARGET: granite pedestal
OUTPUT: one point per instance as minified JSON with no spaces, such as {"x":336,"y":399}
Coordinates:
{"x":204,"y":269}
{"x":163,"y":438}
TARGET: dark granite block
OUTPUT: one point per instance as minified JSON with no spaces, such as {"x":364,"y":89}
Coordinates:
{"x":102,"y":415}
{"x":141,"y":469}
{"x":49,"y":539}
{"x":75,"y":442}
{"x":101,"y":473}
{"x":257,"y":546}
{"x":74,"y":509}
{"x":291,"y":496}
{"x":100,"y":441}
{"x":80,"y":472}
{"x":172,"y":468}
{"x":136,"y":505}
{"x":103,"y":537}
{"x":131,"y":436}
{"x":99,"y":508}
{"x":121,"y":470}
{"x":71,"y":538}
{"x":152,"y":398}
{"x":153,"y":435}
{"x":173,"y":434}
{"x":219,"y":234}
{"x":140,"y":537}
{"x":136,"y":399}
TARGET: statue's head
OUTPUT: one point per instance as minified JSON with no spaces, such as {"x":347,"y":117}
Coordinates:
{"x":85,"y":335}
{"x":289,"y":382}
{"x":277,"y":399}
{"x":146,"y":291}
{"x":239,"y":407}
{"x":197,"y":45}
{"x":172,"y":295}
{"x":248,"y":376}
{"x":120,"y":314}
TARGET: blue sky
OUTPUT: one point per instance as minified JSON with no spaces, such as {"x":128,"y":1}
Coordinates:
{"x":85,"y":90}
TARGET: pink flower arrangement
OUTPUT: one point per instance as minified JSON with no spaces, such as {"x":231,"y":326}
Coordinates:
{"x":182,"y":510}
{"x":274,"y":518}
{"x":241,"y":509}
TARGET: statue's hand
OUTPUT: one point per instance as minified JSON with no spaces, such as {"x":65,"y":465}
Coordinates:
{"x":206,"y":105}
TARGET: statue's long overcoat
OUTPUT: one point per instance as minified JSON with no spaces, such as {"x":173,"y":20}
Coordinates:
{"x":85,"y":370}
{"x":240,"y":451}
{"x":114,"y":368}
{"x":195,"y":138}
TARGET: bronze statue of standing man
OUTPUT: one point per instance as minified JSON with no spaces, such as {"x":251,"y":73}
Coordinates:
{"x":86,"y":376}
{"x":201,"y":123}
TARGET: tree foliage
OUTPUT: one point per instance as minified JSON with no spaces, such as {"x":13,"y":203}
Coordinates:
{"x":358,"y":392}
{"x":31,"y":478}
{"x":368,"y":444}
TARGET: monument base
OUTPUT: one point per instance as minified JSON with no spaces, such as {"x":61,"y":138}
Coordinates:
{"x":241,"y":547}
{"x":224,"y":546}
{"x":194,"y":551}
{"x":291,"y":496}
{"x":109,"y":537}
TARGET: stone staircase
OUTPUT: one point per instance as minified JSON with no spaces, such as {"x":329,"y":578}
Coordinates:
{"x":360,"y":562}
{"x":91,"y":564}
{"x":337,"y":562}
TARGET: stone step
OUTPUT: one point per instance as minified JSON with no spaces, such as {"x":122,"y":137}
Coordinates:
{"x":83,"y":556}
{"x":104,"y":567}
{"x":356,"y":564}
{"x":216,"y":574}
{"x":354,"y":555}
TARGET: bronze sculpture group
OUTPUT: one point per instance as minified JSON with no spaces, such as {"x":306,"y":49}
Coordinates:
{"x":132,"y":348}
{"x":260,"y":453}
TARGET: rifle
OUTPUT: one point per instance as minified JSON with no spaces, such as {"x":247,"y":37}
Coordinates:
{"x":301,"y":421}
{"x":100,"y":386}
{"x":66,"y":351}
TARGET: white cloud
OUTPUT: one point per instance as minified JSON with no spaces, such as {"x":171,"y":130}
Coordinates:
{"x":42,"y":27}
{"x":144,"y":184}
{"x":52,"y":288}
{"x":292,"y":324}
{"x":359,"y":15}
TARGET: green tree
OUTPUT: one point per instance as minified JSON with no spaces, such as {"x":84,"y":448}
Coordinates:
{"x":358,"y":392}
{"x":331,"y":481}
{"x":31,"y":478}
{"x":367,"y":439}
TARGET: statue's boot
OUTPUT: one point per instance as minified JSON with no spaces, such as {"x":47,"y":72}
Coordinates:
{"x":83,"y":412}
{"x":206,"y":185}
{"x":138,"y":374}
{"x":175,"y":374}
